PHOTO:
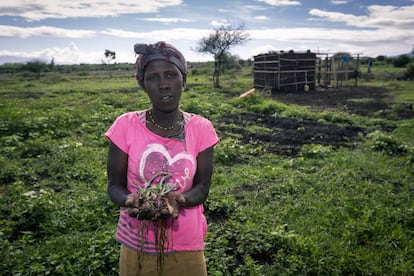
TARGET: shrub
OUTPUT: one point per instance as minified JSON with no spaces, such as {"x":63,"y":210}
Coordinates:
{"x":401,"y":61}
{"x":259,"y":104}
{"x":315,"y":150}
{"x":409,"y":73}
{"x":229,"y":152}
{"x":382,"y":142}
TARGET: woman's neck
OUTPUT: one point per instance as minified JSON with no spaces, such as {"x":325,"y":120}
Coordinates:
{"x":166,"y":127}
{"x":165,"y":118}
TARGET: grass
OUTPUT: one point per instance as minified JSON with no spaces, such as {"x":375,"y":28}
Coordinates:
{"x":347,"y":211}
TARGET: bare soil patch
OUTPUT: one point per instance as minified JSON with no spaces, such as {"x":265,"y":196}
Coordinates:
{"x":364,"y":101}
{"x":287,"y":135}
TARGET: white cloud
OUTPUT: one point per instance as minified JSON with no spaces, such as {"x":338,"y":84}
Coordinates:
{"x":262,"y":49}
{"x":337,"y":16}
{"x":166,"y":20}
{"x":35,"y":10}
{"x":262,"y":18}
{"x":220,"y":23}
{"x":122,"y":33}
{"x":325,"y":34}
{"x":378,"y":17}
{"x":167,"y":35}
{"x":369,"y":42}
{"x":257,"y":8}
{"x":281,"y":2}
{"x":20,"y":32}
{"x":67,"y":55}
{"x":339,"y":2}
{"x":228,"y":11}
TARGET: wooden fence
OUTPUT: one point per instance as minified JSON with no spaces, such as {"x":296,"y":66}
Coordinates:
{"x":286,"y":72}
{"x":303,"y":71}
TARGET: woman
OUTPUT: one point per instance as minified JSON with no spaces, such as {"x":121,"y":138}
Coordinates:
{"x":146,"y":146}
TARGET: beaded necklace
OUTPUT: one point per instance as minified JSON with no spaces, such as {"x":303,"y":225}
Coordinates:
{"x":178,"y":122}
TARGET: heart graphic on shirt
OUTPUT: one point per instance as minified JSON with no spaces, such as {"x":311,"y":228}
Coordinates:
{"x":170,"y":161}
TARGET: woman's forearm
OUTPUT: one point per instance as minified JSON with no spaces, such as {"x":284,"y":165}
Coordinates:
{"x":196,"y":196}
{"x":117,"y":194}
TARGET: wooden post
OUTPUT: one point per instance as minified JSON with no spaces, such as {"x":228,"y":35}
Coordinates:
{"x":357,"y":71}
{"x":278,"y":72}
{"x":319,"y":71}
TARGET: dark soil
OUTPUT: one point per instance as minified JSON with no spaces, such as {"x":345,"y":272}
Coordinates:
{"x":365,"y":101}
{"x":289,"y":134}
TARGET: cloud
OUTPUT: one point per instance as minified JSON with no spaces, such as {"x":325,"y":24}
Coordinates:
{"x":262,"y":18}
{"x":257,"y":8}
{"x":262,"y":49}
{"x":20,"y":32}
{"x":378,"y":17}
{"x":338,"y":17}
{"x":370,"y":42}
{"x":122,"y":33}
{"x":167,"y":35}
{"x":166,"y":20}
{"x":220,"y":23}
{"x":326,"y":34}
{"x":280,"y":2}
{"x":43,"y":9}
{"x":339,"y":2}
{"x":67,"y":55}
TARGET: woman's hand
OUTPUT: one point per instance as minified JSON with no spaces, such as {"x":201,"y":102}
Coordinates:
{"x":144,"y":211}
{"x":132,"y":203}
{"x":174,"y":201}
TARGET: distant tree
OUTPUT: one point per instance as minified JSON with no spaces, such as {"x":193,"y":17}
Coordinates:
{"x":230,"y":62}
{"x":409,"y":73}
{"x":52,"y":65}
{"x":380,"y":58}
{"x":109,"y":55}
{"x":10,"y":67}
{"x":219,"y":43}
{"x":401,"y":61}
{"x":35,"y":66}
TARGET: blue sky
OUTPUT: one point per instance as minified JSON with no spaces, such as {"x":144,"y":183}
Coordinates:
{"x":79,"y":31}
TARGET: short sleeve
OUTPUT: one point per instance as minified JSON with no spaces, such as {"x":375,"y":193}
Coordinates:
{"x":210,"y":137}
{"x":203,"y":133}
{"x":117,"y":133}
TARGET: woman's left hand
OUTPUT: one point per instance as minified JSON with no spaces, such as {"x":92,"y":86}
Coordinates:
{"x":174,"y":201}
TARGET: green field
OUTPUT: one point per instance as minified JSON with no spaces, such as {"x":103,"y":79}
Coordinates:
{"x":343,"y":209}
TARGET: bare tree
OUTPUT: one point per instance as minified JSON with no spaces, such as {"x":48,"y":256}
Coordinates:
{"x":219,"y":42}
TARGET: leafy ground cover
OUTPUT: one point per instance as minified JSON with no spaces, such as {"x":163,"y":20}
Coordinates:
{"x":317,"y":183}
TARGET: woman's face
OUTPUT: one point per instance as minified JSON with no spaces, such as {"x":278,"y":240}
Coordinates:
{"x":163,"y":83}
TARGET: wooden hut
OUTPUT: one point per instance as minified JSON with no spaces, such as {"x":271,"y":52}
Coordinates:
{"x":285,"y":71}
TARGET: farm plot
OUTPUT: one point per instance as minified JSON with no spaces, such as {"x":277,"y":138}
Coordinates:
{"x":331,"y":193}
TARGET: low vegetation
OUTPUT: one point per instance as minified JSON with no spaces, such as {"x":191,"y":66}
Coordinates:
{"x":315,"y":201}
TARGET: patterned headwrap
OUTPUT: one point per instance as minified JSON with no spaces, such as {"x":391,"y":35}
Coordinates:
{"x":158,"y":51}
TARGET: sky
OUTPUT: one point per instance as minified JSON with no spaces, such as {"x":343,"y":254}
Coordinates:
{"x":79,"y":31}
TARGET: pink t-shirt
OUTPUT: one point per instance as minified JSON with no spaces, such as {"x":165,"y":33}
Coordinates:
{"x":148,"y":154}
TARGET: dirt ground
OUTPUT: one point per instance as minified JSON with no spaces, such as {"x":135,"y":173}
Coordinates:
{"x":289,"y":134}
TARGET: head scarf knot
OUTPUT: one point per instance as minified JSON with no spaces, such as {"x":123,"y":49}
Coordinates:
{"x":158,"y":51}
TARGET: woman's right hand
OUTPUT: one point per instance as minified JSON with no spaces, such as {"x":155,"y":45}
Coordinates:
{"x":138,"y":209}
{"x":132,"y":203}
